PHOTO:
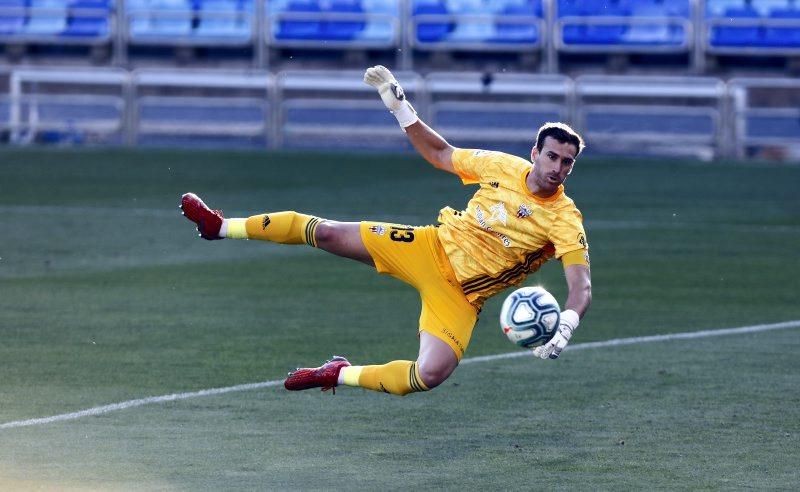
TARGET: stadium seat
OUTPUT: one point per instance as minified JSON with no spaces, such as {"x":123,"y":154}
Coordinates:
{"x":377,"y":31}
{"x":343,"y":30}
{"x":784,"y":37}
{"x":471,"y":22}
{"x":88,"y":18}
{"x":160,"y":18}
{"x":513,"y":32}
{"x":606,"y":8}
{"x":660,"y":8}
{"x":223,"y":19}
{"x":428,"y":31}
{"x":12,"y":16}
{"x":654,"y":35}
{"x":171,"y":17}
{"x":569,"y":8}
{"x":291,"y":29}
{"x":738,"y":35}
{"x":380,"y":27}
{"x":662,"y":23}
{"x":717,"y":8}
{"x":46,"y":17}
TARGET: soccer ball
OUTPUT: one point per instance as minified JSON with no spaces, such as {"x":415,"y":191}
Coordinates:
{"x":529,"y":316}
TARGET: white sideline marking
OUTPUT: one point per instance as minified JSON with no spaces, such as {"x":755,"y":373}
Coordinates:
{"x":470,"y":360}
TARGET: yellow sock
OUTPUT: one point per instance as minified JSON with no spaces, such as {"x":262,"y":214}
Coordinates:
{"x":399,"y":377}
{"x":278,"y":227}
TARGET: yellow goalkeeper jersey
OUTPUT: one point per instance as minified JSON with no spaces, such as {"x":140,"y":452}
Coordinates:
{"x":506,"y":232}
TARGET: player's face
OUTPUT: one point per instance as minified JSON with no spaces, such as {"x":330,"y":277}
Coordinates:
{"x":553,"y":164}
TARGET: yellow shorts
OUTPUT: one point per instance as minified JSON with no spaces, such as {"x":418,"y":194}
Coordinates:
{"x":414,"y":255}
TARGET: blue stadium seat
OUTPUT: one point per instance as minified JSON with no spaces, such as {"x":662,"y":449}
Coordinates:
{"x":427,"y":31}
{"x":12,"y":16}
{"x":313,"y":22}
{"x":653,"y":8}
{"x":227,"y":19}
{"x":738,"y":35}
{"x":606,"y":8}
{"x":380,"y":28}
{"x":569,"y":8}
{"x":343,"y":30}
{"x":300,"y":29}
{"x":46,"y":17}
{"x":175,"y":18}
{"x":784,"y":37}
{"x":471,"y":22}
{"x":512,"y":32}
{"x":717,"y":8}
{"x":655,"y":35}
{"x":88,"y":19}
{"x":665,"y":25}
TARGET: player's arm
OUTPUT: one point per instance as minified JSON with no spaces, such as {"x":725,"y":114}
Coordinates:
{"x":430,"y":145}
{"x":579,"y":298}
{"x":579,"y":284}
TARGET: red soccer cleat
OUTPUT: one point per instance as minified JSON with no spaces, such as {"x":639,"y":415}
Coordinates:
{"x":325,"y":376}
{"x":208,"y":221}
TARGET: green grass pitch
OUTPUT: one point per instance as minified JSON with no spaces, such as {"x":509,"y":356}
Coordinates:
{"x":107,"y":295}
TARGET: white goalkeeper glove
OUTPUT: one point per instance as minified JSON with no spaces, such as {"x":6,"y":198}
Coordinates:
{"x":552,"y":349}
{"x":392,"y":95}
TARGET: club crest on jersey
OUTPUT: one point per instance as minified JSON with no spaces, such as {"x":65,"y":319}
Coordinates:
{"x":523,"y":211}
{"x":378,"y":229}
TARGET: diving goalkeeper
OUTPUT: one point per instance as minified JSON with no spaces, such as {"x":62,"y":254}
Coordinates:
{"x":518,"y":219}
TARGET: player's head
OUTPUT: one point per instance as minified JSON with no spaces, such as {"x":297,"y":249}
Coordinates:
{"x":562,"y":133}
{"x":553,"y":156}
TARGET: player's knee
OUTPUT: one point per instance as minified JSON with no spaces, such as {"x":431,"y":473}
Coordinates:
{"x":326,"y":234}
{"x":435,"y":372}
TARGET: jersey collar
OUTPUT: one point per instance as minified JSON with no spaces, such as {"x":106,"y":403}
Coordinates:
{"x":555,"y":196}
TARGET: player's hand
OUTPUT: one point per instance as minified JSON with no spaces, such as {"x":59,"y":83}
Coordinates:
{"x":382,"y":79}
{"x":553,"y":348}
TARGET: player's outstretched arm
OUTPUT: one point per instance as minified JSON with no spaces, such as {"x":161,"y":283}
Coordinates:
{"x":579,"y":283}
{"x":428,"y":143}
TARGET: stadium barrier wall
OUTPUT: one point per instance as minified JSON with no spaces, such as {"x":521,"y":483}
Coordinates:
{"x":702,"y":117}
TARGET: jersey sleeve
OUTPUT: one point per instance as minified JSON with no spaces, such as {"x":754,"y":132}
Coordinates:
{"x":472,"y":164}
{"x":569,"y":239}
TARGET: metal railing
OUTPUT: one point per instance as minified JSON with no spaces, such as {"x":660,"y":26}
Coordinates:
{"x":699,"y":116}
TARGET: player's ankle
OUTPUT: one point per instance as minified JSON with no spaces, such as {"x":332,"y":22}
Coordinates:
{"x":233,"y":228}
{"x":349,"y":375}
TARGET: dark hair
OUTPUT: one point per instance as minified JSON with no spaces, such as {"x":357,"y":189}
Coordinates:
{"x":561,"y":132}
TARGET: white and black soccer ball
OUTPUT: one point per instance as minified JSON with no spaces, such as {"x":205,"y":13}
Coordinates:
{"x":530,"y":316}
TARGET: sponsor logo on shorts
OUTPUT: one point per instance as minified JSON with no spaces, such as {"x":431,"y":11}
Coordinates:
{"x":378,"y":229}
{"x":449,"y":334}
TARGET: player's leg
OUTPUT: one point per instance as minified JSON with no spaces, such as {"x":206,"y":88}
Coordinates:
{"x":436,"y":361}
{"x":289,"y":227}
{"x":446,"y":319}
{"x":434,"y":364}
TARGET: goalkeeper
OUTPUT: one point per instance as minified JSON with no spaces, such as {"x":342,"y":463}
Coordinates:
{"x":517,"y":220}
